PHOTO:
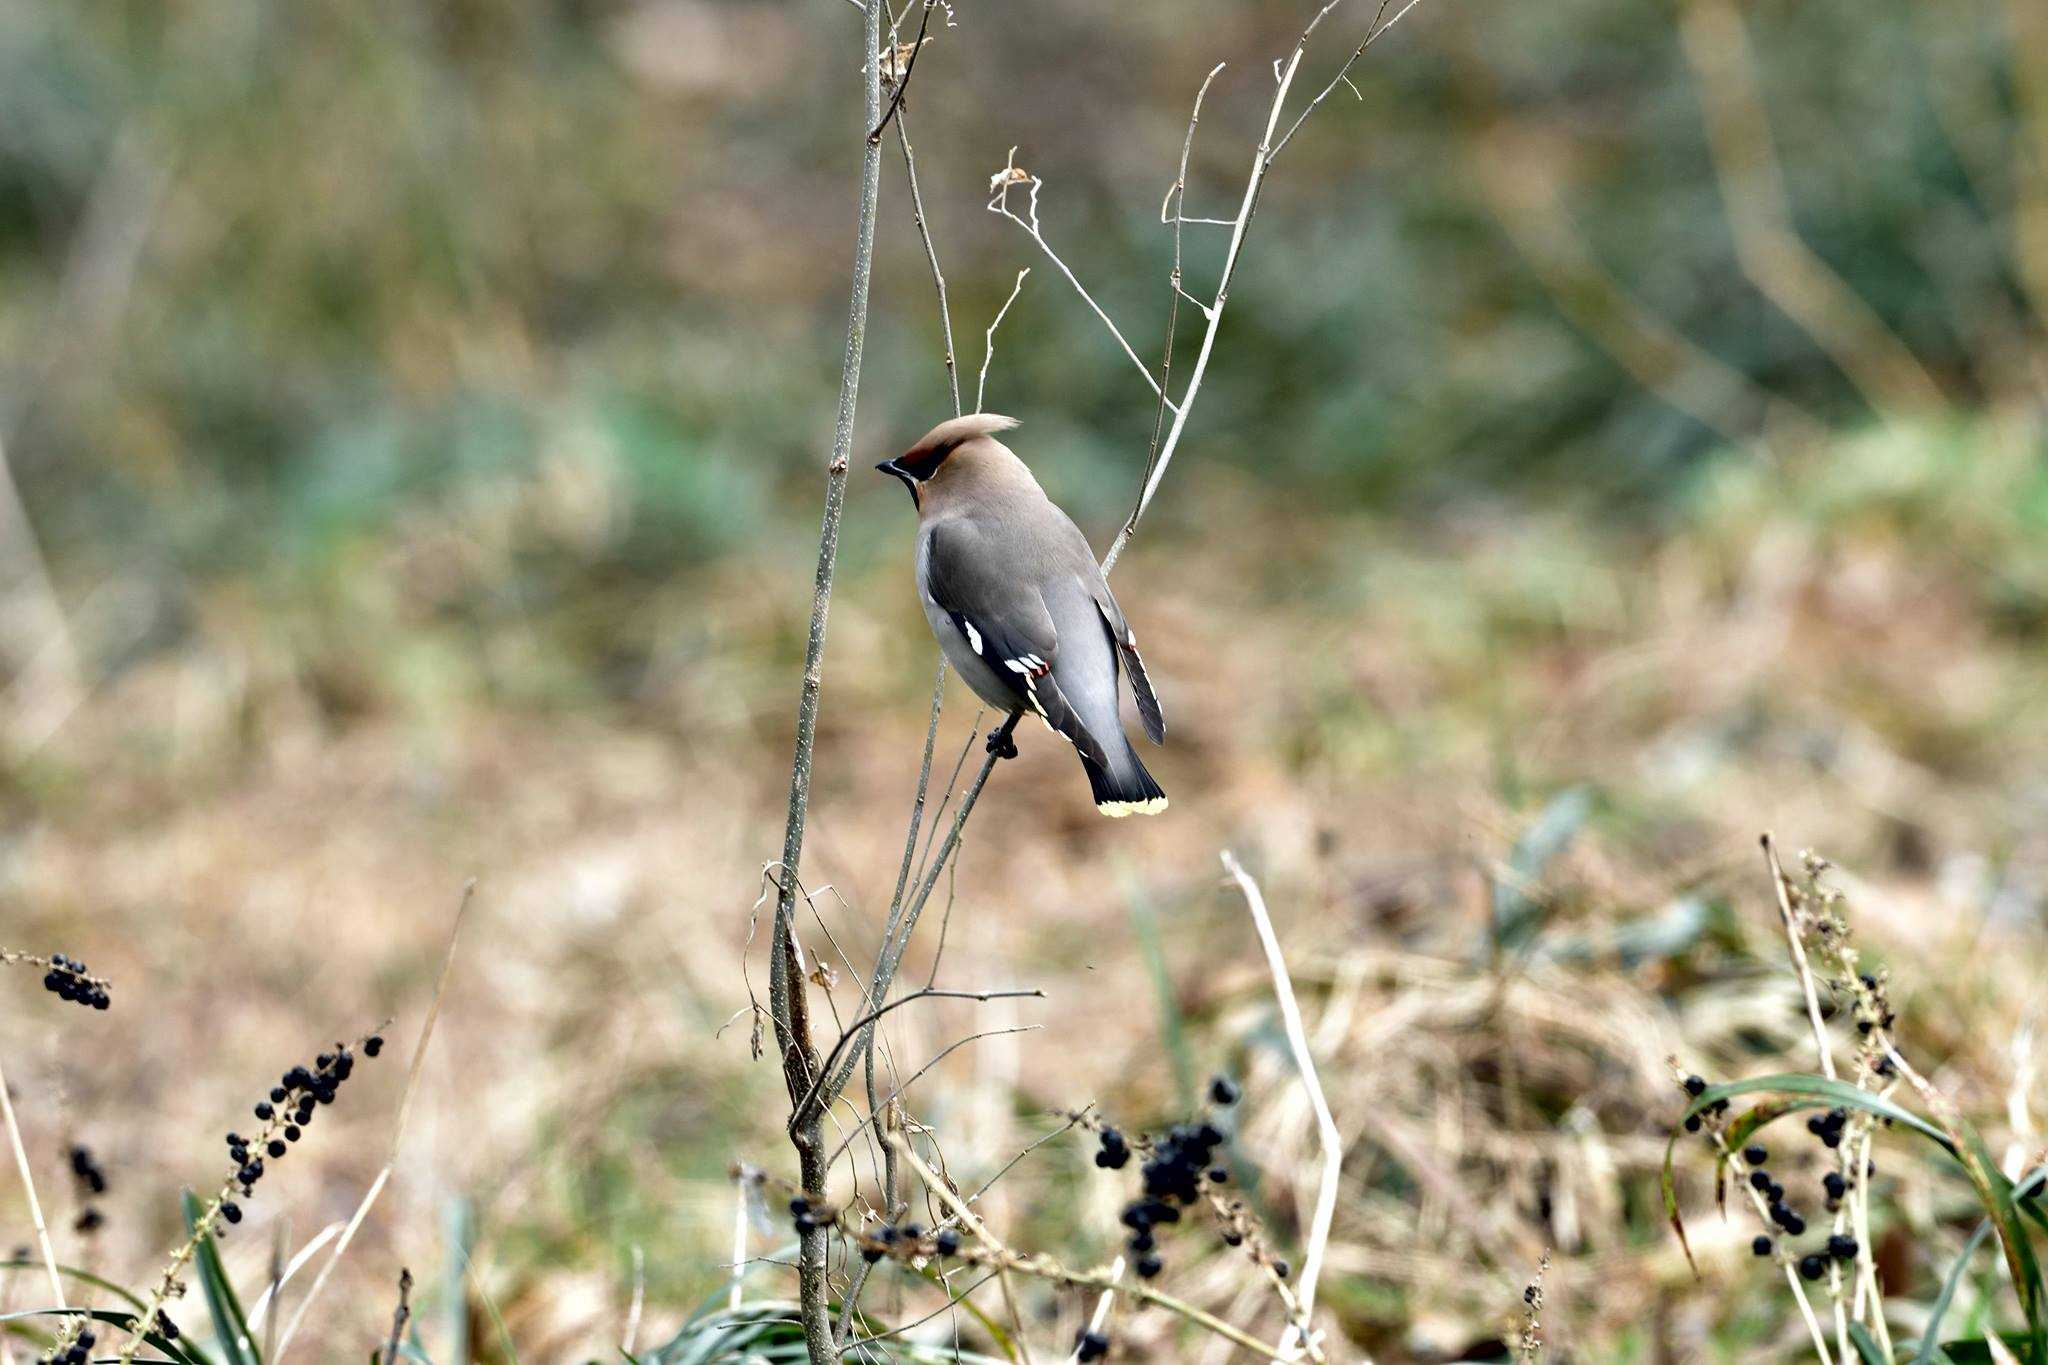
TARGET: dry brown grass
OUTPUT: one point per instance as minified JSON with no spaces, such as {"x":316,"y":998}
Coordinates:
{"x":1372,"y":717}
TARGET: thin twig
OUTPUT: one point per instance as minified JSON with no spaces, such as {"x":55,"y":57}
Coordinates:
{"x":931,"y":255}
{"x":399,"y":1315}
{"x":1010,"y":177}
{"x":940,"y":1056}
{"x":745,"y":1178}
{"x":1042,"y":1267}
{"x":28,"y":1185}
{"x":814,"y":1095}
{"x":1792,"y":937}
{"x":1373,"y":33}
{"x":989,"y":343}
{"x":1177,"y":197}
{"x":903,"y":81}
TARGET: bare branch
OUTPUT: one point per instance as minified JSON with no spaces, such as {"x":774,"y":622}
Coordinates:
{"x":1044,"y":1267}
{"x":989,"y":350}
{"x":931,"y":254}
{"x":902,"y":82}
{"x":802,"y":1112}
{"x":1012,"y":176}
{"x":1176,"y":195}
{"x":785,"y":992}
{"x":1374,"y":32}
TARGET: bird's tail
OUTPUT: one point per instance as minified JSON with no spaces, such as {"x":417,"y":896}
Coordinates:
{"x":1124,"y":788}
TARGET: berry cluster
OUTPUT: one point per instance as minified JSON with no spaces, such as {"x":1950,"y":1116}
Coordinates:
{"x":1696,"y":1086}
{"x":92,"y":1183}
{"x":906,"y":1239}
{"x":1782,"y":1217}
{"x":1115,"y":1153}
{"x":1839,"y":1248}
{"x":77,"y":1351}
{"x":1173,"y":1175}
{"x":68,"y":980}
{"x":287,"y":1113}
{"x":1828,"y":1127}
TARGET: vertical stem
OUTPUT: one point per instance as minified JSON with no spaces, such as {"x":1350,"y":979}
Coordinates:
{"x":1791,"y":921}
{"x":931,"y":255}
{"x":784,"y":986}
{"x":28,"y":1185}
{"x":1262,"y":161}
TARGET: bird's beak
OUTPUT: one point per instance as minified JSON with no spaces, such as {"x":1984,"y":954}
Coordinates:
{"x":890,"y":467}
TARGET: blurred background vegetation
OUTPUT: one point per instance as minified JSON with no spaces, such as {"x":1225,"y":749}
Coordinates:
{"x":414,"y":416}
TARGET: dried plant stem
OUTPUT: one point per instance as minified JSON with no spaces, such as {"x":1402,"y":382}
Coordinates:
{"x":988,"y":351}
{"x":815,"y":1095}
{"x":1009,"y":178}
{"x":399,"y":1316}
{"x":902,"y":79}
{"x":931,"y":255}
{"x":1869,"y":1305}
{"x":1176,"y":196}
{"x":972,"y":1222}
{"x":405,"y":1102}
{"x":1799,"y":964}
{"x":1262,"y":162}
{"x":785,"y":989}
{"x":1298,"y":1334}
{"x":28,"y":1186}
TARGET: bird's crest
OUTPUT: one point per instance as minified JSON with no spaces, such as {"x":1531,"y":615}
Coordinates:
{"x":940,"y":441}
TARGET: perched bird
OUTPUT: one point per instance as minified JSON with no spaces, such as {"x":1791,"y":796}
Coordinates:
{"x":1021,"y":610}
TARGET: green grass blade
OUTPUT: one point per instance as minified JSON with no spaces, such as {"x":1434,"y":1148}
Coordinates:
{"x":1796,"y":1091}
{"x":1867,"y":1348}
{"x":1930,"y":1346}
{"x":1996,"y":1192}
{"x":83,"y":1276}
{"x":230,"y":1325}
{"x":179,"y":1350}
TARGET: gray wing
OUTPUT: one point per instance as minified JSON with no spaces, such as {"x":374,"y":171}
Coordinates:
{"x":1005,"y":621}
{"x":1070,"y":550}
{"x":1149,"y":714}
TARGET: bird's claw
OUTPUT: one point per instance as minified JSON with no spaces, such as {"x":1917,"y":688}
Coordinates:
{"x":1002,"y":743}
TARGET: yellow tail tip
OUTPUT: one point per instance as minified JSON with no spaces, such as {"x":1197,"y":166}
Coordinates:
{"x":1117,"y":810}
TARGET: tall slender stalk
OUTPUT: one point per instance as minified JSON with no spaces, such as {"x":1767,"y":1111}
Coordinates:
{"x":785,"y":987}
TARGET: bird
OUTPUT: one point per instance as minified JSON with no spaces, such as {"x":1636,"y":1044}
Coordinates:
{"x":1020,"y":608}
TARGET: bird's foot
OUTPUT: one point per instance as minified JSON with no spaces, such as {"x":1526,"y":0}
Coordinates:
{"x":1002,"y":742}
